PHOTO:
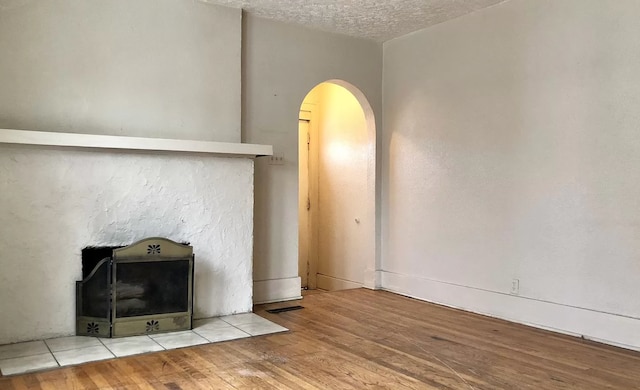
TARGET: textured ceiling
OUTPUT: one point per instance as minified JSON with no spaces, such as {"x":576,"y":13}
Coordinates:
{"x":379,"y":20}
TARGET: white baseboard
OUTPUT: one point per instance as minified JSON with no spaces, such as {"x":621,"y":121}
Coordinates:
{"x":607,"y":328}
{"x":329,"y":283}
{"x":372,"y":279}
{"x":276,"y":290}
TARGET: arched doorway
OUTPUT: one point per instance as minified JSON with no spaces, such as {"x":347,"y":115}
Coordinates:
{"x":336,"y":187}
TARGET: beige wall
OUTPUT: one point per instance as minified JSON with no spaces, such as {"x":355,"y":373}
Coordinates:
{"x":345,"y":208}
{"x":282,"y":63}
{"x":510,"y":148}
{"x":149,"y":68}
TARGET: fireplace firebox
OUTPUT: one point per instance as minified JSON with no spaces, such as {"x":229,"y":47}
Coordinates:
{"x":143,"y":288}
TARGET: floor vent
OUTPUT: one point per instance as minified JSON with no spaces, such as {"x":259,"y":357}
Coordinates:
{"x":283,"y":309}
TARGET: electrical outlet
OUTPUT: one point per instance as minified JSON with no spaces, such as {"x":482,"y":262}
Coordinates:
{"x":515,"y":286}
{"x":276,"y":159}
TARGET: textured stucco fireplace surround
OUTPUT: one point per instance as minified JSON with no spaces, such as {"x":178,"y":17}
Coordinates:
{"x":60,"y":192}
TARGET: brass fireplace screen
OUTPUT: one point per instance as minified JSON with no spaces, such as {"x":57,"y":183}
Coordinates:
{"x":143,"y":288}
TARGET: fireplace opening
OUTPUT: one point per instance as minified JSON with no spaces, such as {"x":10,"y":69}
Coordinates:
{"x":143,"y":288}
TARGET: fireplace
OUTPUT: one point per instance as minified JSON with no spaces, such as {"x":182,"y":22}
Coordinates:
{"x":104,"y":192}
{"x":143,"y":288}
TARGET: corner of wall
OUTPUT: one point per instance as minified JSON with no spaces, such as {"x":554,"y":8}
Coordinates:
{"x":276,"y":290}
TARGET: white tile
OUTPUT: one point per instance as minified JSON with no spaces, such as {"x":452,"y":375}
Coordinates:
{"x":221,"y":334}
{"x":82,"y":355}
{"x":24,"y":364}
{"x":162,"y":335}
{"x":23,"y":349}
{"x":179,"y":339}
{"x":246,"y":318}
{"x":72,"y":342}
{"x":127,"y":346}
{"x":257,"y":329}
{"x":210,"y":323}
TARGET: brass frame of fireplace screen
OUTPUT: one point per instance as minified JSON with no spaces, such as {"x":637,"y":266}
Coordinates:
{"x":149,"y":250}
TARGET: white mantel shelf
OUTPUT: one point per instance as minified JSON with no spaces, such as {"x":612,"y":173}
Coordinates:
{"x":45,"y":138}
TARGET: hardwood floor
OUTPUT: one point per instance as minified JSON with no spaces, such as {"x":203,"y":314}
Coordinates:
{"x":362,"y":339}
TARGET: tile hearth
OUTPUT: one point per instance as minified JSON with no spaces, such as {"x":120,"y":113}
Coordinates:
{"x":65,"y":351}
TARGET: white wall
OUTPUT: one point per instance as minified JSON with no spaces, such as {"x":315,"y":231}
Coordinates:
{"x":54,"y":202}
{"x":149,"y":68}
{"x":510,"y":145}
{"x":282,"y":63}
